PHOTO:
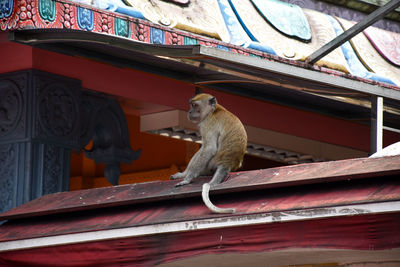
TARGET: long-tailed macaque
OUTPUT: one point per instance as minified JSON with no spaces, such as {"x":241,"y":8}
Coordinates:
{"x":224,"y":142}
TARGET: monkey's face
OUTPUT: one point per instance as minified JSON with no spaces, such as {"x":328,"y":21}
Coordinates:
{"x":194,"y":114}
{"x":200,"y":107}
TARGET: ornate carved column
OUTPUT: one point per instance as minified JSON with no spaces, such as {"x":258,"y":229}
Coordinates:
{"x":39,"y":125}
{"x":42,"y":117}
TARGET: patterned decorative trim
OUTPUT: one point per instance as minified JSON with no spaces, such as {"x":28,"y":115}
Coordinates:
{"x":47,"y":10}
{"x":85,"y":18}
{"x":121,"y":27}
{"x":156,"y":36}
{"x":63,"y":14}
{"x":6,"y":8}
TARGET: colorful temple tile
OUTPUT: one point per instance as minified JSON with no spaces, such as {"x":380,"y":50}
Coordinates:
{"x":156,"y":36}
{"x":6,"y":8}
{"x":47,"y":9}
{"x":121,"y":27}
{"x":85,"y":19}
{"x":190,"y":41}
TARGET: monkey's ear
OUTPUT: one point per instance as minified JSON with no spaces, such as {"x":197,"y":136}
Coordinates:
{"x":212,"y":101}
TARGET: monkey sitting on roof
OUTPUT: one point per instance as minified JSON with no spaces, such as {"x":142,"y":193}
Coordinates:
{"x":224,"y":142}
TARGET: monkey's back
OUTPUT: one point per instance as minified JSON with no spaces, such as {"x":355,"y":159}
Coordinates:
{"x":232,"y":139}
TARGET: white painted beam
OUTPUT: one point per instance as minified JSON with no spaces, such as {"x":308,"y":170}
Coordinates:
{"x":376,"y":124}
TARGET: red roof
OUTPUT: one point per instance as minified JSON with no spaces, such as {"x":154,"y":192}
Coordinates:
{"x":321,"y":205}
{"x":303,"y":174}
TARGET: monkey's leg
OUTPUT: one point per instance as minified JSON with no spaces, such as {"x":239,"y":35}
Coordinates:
{"x":220,"y":174}
{"x":180,"y":175}
{"x":198,"y":163}
{"x":193,"y":172}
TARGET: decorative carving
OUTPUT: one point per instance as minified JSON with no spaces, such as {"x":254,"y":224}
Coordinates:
{"x":6,"y":8}
{"x":355,"y":65}
{"x":52,"y":172}
{"x":47,"y":9}
{"x":10,"y":107}
{"x":200,"y":17}
{"x":156,"y":36}
{"x":287,"y":18}
{"x":85,"y":18}
{"x":174,"y":39}
{"x":36,"y":134}
{"x":121,"y":27}
{"x":105,"y":23}
{"x":239,"y":34}
{"x":386,"y":43}
{"x":7,"y":176}
{"x":371,"y":58}
{"x":58,"y":111}
{"x":141,"y":32}
{"x":104,"y":123}
{"x":68,"y":15}
{"x":343,"y":12}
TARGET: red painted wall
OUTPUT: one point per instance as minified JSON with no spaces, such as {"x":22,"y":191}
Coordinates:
{"x":14,"y":56}
{"x":164,"y":91}
{"x":301,"y":123}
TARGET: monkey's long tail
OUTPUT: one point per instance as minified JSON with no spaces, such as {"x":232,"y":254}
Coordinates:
{"x":206,"y":199}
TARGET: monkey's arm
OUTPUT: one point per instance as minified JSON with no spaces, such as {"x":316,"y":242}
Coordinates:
{"x":199,"y":162}
{"x":179,"y":175}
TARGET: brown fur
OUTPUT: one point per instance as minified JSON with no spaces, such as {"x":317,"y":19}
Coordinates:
{"x":232,"y":140}
{"x":224,"y":145}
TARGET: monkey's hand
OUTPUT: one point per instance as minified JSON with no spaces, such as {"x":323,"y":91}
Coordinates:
{"x":184,"y":182}
{"x":177,"y":175}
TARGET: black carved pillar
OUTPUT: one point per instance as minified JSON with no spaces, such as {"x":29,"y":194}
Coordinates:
{"x":39,"y":125}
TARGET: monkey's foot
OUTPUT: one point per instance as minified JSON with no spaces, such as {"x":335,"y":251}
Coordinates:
{"x":177,"y":175}
{"x":184,"y":182}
